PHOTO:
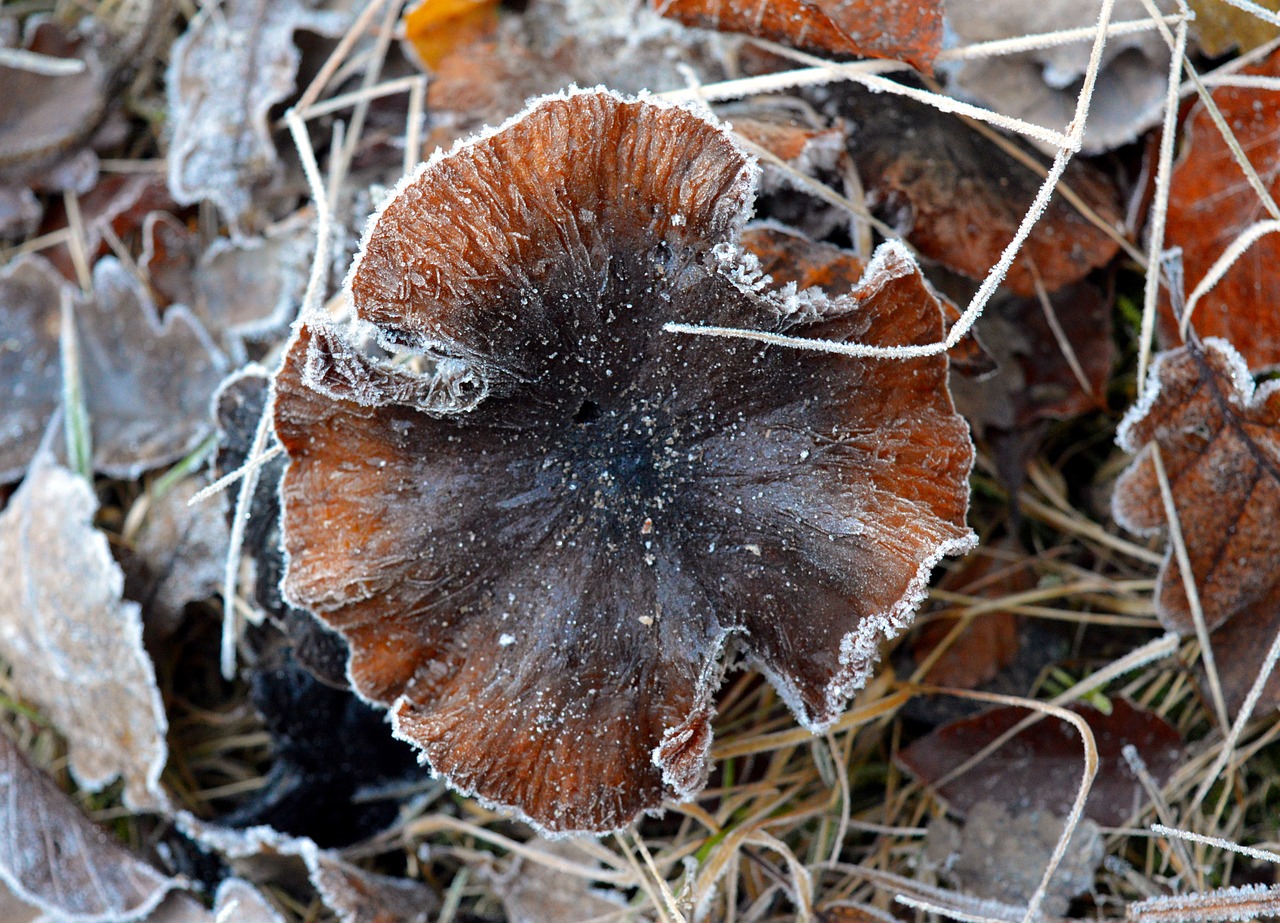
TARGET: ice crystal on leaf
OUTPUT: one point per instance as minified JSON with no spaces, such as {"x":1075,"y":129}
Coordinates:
{"x":540,"y":550}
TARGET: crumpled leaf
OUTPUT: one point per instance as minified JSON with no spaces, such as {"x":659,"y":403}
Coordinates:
{"x":75,"y":646}
{"x":958,"y":198}
{"x":903,"y":30}
{"x":179,"y":555}
{"x":1210,"y":206}
{"x":147,"y":381}
{"x":1001,"y":855}
{"x":54,"y":858}
{"x":1042,"y":86}
{"x":31,"y":292}
{"x":1219,"y":439}
{"x":234,"y":62}
{"x":1040,"y":768}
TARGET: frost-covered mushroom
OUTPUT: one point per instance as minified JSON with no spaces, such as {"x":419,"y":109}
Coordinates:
{"x":540,"y":550}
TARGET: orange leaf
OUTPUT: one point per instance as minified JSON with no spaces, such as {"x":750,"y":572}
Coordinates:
{"x":904,"y":30}
{"x":1210,"y":206}
{"x":435,"y":28}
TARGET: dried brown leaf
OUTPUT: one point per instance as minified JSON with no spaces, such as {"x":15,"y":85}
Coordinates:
{"x":959,"y":198}
{"x":75,"y":646}
{"x":55,"y":859}
{"x":357,"y":896}
{"x":1211,"y":205}
{"x":534,"y":892}
{"x":1040,"y":767}
{"x":1219,"y":26}
{"x":1219,"y":440}
{"x":903,"y":30}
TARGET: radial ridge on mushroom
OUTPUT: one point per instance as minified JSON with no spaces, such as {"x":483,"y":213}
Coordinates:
{"x":547,"y":534}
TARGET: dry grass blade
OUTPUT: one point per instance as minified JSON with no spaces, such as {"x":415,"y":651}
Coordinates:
{"x":1247,"y":902}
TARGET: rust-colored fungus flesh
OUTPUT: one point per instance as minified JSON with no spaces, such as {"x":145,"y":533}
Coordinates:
{"x":540,"y":548}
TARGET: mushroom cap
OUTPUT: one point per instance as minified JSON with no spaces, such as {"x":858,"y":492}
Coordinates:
{"x":539,"y":548}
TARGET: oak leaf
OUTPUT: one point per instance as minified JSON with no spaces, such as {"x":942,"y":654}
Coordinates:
{"x":1219,"y":441}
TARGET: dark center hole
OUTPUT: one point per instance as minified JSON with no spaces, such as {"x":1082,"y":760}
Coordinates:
{"x":589,"y":411}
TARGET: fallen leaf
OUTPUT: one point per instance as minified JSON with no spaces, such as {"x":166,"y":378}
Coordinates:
{"x":536,"y":892}
{"x":31,"y":292}
{"x":959,"y":198}
{"x":1220,"y":27}
{"x":118,"y":204}
{"x":1219,"y":438}
{"x":252,"y":288}
{"x":1000,"y":855}
{"x":1035,"y":379}
{"x":54,"y":858}
{"x":178,"y":556}
{"x":147,"y":381}
{"x":170,"y":250}
{"x":1211,"y":204}
{"x":44,"y":119}
{"x":436,"y":28}
{"x":75,"y":646}
{"x":902,"y":30}
{"x":1040,"y":768}
{"x":238,"y":901}
{"x":357,"y":896}
{"x":232,"y":64}
{"x":1042,"y":86}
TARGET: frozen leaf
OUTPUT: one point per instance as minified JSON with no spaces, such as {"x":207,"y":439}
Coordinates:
{"x":31,"y":293}
{"x":544,"y":598}
{"x":1219,"y":27}
{"x":958,"y":198}
{"x":1040,"y":767}
{"x":904,"y":30}
{"x":43,"y":119}
{"x":436,"y":28}
{"x":332,"y":754}
{"x":1001,"y":855}
{"x":1211,"y":204}
{"x":357,"y":896}
{"x":1042,"y":86}
{"x":235,"y":61}
{"x":170,"y":250}
{"x":116,"y":205}
{"x":238,"y":901}
{"x":533,"y":892}
{"x":253,"y":288}
{"x":1039,"y":376}
{"x":56,"y":859}
{"x":178,"y":555}
{"x":1219,"y":440}
{"x":75,"y":646}
{"x":147,"y":381}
